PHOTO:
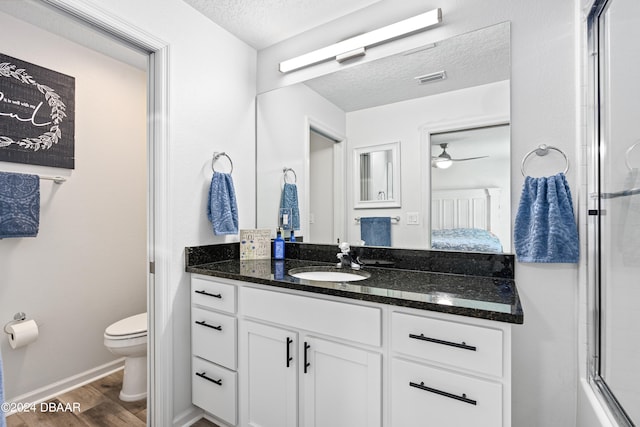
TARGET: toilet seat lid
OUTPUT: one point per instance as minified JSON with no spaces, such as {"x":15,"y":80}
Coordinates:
{"x":131,"y":325}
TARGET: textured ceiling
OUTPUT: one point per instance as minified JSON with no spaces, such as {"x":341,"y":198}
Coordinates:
{"x":472,"y":59}
{"x":262,"y":23}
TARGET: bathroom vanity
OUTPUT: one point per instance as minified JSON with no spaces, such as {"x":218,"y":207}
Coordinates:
{"x":403,"y":347}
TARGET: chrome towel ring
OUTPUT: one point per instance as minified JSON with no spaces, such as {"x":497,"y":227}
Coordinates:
{"x":287,"y":170}
{"x":543,"y":150}
{"x":216,"y":156}
{"x":626,"y":155}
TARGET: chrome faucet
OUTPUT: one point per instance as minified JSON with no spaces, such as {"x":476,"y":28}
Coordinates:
{"x":345,"y":257}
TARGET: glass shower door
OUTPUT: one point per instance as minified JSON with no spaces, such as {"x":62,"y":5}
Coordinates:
{"x":618,"y":62}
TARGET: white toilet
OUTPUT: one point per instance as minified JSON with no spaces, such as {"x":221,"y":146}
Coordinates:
{"x":128,"y":338}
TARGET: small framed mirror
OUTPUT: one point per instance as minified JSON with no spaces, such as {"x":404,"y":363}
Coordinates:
{"x":377,"y":176}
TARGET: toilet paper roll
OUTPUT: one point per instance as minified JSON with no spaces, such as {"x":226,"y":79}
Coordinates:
{"x":22,"y":333}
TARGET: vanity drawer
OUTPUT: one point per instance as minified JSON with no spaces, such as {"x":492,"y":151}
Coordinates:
{"x":441,"y":397}
{"x":214,"y":389}
{"x":213,"y":337}
{"x":470,"y":347}
{"x":212,"y":294}
{"x":341,"y":320}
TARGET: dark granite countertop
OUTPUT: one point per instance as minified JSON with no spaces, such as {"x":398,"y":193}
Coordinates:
{"x":490,"y":296}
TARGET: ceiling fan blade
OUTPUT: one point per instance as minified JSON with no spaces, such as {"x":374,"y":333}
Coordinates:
{"x":469,"y":158}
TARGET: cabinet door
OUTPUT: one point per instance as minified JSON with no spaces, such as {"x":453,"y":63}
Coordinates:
{"x":341,"y":385}
{"x":271,"y":375}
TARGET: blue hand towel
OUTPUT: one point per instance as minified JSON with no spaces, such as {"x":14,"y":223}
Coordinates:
{"x":545,"y":228}
{"x":19,"y":205}
{"x":289,"y":200}
{"x":222,"y":209}
{"x":376,"y":231}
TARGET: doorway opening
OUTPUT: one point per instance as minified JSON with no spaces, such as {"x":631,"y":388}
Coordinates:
{"x":325,"y":192}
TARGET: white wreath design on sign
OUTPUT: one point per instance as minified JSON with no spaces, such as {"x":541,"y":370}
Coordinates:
{"x":47,"y":139}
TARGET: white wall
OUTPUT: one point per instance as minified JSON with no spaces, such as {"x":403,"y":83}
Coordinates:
{"x":543,"y":110}
{"x":407,"y":122}
{"x":211,"y":106}
{"x":87,"y":267}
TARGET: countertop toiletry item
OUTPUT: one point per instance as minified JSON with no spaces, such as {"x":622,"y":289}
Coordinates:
{"x":292,"y":238}
{"x":278,"y":246}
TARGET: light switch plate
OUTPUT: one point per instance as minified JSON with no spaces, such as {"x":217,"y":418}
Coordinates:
{"x":413,"y":218}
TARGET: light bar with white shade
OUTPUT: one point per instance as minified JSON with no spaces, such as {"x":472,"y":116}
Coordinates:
{"x":358,"y":44}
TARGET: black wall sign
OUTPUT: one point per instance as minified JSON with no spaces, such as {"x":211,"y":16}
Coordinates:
{"x":36,"y":114}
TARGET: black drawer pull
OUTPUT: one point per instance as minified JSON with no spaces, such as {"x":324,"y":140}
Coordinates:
{"x":306,"y":363}
{"x":203,"y":375}
{"x":462,"y":398}
{"x":203,"y":323}
{"x":208,"y":294}
{"x":289,"y":358}
{"x":462,"y":345}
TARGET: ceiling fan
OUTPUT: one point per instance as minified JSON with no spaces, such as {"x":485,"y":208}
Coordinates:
{"x":444,"y":160}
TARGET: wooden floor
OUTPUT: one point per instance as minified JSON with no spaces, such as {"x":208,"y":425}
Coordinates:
{"x":93,"y":405}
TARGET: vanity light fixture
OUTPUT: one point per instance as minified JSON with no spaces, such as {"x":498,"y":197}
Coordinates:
{"x":356,"y":46}
{"x":433,"y":77}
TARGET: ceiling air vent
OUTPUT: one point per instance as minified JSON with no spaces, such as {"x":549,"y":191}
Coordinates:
{"x":433,"y":77}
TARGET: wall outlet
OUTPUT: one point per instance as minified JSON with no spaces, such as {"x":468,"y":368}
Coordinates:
{"x":413,"y":218}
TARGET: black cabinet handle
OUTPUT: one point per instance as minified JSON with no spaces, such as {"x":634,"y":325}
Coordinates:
{"x":462,"y":345}
{"x":208,"y":294}
{"x":462,"y":398}
{"x":306,"y":364}
{"x":203,"y":375}
{"x":203,"y":323}
{"x":289,"y":358}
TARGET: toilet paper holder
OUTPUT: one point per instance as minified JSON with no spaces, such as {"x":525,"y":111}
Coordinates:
{"x":17,"y":318}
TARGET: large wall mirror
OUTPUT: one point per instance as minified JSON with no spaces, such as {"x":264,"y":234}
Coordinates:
{"x":323,"y":127}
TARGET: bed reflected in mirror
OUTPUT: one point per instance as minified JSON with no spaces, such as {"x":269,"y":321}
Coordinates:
{"x":470,"y":192}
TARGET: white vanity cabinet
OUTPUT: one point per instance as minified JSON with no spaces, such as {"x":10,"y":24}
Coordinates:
{"x":288,"y":358}
{"x":296,"y":374}
{"x":449,"y":373}
{"x":214,"y":338}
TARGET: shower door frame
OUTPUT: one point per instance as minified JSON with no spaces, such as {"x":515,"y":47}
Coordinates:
{"x":595,"y":81}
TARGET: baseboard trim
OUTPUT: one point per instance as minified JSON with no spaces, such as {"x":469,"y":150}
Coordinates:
{"x":60,"y":387}
{"x":188,"y":417}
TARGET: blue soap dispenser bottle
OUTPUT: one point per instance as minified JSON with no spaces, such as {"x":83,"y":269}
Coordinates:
{"x":278,"y":245}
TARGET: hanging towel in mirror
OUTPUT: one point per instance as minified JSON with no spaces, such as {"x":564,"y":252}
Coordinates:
{"x":222,"y":209}
{"x":289,"y":200}
{"x":376,"y":231}
{"x":545,"y":227}
{"x":19,"y":205}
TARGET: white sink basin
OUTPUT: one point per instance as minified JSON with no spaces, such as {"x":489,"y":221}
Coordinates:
{"x":328,"y":275}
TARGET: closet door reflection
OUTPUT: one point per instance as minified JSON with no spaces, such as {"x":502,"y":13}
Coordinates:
{"x":619,"y":181}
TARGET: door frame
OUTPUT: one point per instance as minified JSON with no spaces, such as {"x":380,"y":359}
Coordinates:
{"x":159,"y":347}
{"x":339,"y":181}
